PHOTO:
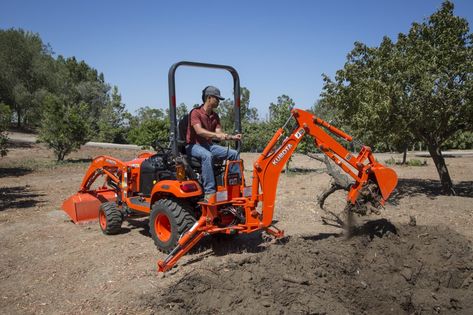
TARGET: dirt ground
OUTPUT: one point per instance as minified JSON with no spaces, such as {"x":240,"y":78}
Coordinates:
{"x":48,"y":265}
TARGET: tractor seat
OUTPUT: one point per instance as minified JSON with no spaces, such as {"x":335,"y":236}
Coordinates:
{"x":193,"y":162}
{"x":196,"y":165}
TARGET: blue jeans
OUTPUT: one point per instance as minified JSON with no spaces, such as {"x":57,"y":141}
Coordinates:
{"x":205,"y":153}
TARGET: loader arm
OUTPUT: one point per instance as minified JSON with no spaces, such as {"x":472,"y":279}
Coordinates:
{"x":84,"y":205}
{"x":362,"y":168}
{"x":102,"y":165}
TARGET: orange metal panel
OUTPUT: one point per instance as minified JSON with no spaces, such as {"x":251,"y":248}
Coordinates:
{"x":84,"y":206}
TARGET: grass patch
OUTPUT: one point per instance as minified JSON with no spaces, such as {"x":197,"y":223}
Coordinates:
{"x":415,"y":162}
{"x":411,"y":162}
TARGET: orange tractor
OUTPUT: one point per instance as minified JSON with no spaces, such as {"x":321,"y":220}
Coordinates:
{"x":166,"y":185}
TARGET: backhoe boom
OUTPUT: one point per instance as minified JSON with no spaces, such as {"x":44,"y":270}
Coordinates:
{"x":361,"y":168}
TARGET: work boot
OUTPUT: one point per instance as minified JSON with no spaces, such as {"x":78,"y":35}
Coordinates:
{"x":209,"y":198}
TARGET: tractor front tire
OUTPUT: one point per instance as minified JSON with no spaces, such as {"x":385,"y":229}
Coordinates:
{"x":110,"y":218}
{"x":168,"y":220}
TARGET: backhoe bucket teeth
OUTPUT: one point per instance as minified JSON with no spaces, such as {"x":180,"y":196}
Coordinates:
{"x":84,"y":206}
{"x":386,"y":179}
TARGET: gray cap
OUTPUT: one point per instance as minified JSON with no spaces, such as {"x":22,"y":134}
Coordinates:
{"x":213,"y":91}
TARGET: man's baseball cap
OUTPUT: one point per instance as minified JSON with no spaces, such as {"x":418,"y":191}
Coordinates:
{"x":213,"y":91}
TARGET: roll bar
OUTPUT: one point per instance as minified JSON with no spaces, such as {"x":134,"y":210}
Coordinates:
{"x":172,"y":97}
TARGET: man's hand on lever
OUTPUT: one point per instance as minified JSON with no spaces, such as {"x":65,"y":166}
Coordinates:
{"x":236,"y":137}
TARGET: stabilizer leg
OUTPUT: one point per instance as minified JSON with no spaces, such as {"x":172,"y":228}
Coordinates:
{"x":185,"y":243}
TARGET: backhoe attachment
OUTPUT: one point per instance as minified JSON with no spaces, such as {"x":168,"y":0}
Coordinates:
{"x":374,"y":182}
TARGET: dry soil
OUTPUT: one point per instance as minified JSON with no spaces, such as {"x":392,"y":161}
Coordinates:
{"x":48,"y":265}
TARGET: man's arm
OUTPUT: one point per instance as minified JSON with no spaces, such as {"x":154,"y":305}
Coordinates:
{"x":217,"y":135}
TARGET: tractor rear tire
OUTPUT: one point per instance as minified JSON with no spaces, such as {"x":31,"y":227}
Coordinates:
{"x":110,"y":218}
{"x":168,"y":220}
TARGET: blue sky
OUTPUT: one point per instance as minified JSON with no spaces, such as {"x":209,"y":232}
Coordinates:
{"x":278,"y":47}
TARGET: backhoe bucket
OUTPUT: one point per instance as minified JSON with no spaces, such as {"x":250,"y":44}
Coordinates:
{"x":84,"y":206}
{"x":386,"y":179}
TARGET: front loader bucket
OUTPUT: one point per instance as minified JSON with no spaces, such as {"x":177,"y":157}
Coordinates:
{"x":386,"y":179}
{"x":84,"y":206}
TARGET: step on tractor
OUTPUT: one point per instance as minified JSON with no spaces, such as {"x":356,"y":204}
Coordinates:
{"x":166,"y":185}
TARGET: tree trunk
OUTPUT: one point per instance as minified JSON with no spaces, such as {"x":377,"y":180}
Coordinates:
{"x":439,"y":161}
{"x":404,"y":155}
{"x":60,"y":156}
{"x":18,"y":116}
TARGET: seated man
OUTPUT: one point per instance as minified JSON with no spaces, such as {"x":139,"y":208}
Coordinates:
{"x":205,"y":127}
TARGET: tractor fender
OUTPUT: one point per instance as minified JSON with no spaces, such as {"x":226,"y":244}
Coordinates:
{"x":178,"y":189}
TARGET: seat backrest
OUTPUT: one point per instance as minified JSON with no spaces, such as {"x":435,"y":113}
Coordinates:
{"x":182,"y":126}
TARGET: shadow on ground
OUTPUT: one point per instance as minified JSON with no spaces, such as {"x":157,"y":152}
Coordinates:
{"x":75,"y":161}
{"x":220,"y":244}
{"x":372,"y":228}
{"x":18,"y":197}
{"x":428,"y":187}
{"x":298,"y":170}
{"x":375,"y":228}
{"x":12,"y":144}
{"x":14,"y":171}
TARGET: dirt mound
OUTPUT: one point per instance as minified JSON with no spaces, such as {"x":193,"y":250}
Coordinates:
{"x":382,"y":269}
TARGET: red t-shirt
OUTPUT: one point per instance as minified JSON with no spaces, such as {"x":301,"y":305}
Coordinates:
{"x":208,"y":122}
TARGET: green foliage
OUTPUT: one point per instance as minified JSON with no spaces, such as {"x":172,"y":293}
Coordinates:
{"x":416,"y":162}
{"x":462,"y":140}
{"x":226,"y":111}
{"x":111,"y":122}
{"x":27,"y":67}
{"x":253,"y":130}
{"x":416,"y":89}
{"x":255,"y":136}
{"x":5,"y":118}
{"x":63,"y":127}
{"x":390,"y":161}
{"x":80,"y":83}
{"x":280,"y":111}
{"x":149,"y":126}
{"x":181,"y":111}
{"x":412,"y":162}
{"x":33,"y":83}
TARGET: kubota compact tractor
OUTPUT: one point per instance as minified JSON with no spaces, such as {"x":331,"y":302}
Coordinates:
{"x":166,"y":185}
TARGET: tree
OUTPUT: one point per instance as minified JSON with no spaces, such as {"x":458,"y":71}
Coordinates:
{"x":27,"y":66}
{"x":255,"y":136}
{"x":279,"y":114}
{"x":181,"y":111}
{"x":226,"y":111}
{"x":5,"y":117}
{"x":111,"y":123}
{"x":419,"y":88}
{"x":251,"y":128}
{"x":64,"y":126}
{"x":80,"y":83}
{"x":149,"y":126}
{"x":280,"y":111}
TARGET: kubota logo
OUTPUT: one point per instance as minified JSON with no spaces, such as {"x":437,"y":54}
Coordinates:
{"x":282,"y":154}
{"x":300,"y":133}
